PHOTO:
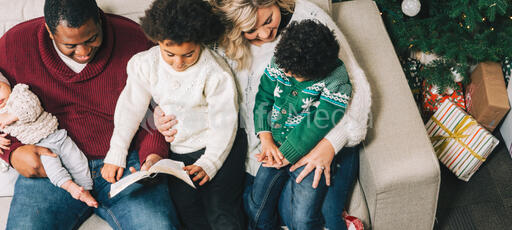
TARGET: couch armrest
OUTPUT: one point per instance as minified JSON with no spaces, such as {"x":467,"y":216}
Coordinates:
{"x":399,"y":172}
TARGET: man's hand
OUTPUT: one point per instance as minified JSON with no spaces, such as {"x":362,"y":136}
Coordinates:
{"x":151,"y":159}
{"x":198,"y":173}
{"x":7,"y":119}
{"x":26,"y":160}
{"x":111,"y":173}
{"x":165,"y":123}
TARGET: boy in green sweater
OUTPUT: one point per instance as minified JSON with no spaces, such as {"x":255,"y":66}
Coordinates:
{"x":303,"y":94}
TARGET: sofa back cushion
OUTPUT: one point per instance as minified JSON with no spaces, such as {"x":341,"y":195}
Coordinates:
{"x":14,"y":12}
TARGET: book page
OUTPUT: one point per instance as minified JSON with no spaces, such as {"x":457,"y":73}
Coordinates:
{"x":174,"y":168}
{"x":127,"y":181}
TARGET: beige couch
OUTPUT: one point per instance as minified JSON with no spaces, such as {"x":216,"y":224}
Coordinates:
{"x":399,"y":174}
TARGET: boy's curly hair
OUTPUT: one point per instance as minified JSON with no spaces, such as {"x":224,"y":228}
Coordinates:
{"x":308,"y":49}
{"x":182,"y":21}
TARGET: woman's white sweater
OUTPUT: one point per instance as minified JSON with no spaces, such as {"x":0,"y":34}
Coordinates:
{"x":350,"y":131}
{"x":203,"y":98}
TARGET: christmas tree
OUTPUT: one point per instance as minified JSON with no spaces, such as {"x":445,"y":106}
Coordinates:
{"x":449,"y":37}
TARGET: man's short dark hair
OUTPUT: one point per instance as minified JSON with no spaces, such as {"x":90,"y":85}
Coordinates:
{"x":74,"y":12}
{"x":182,"y":21}
{"x":308,"y":49}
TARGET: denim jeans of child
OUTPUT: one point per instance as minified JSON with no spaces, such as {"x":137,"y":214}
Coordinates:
{"x":342,"y":183}
{"x":343,"y":176}
{"x":38,"y":204}
{"x":346,"y":169}
{"x":263,"y":200}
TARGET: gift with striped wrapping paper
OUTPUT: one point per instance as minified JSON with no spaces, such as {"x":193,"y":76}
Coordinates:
{"x":460,"y":143}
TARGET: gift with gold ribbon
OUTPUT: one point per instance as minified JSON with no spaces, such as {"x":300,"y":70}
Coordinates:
{"x":460,"y":143}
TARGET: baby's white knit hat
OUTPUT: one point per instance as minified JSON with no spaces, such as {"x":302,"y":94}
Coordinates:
{"x":3,"y":79}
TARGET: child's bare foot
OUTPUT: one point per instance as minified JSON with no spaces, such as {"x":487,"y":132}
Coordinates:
{"x":79,"y":193}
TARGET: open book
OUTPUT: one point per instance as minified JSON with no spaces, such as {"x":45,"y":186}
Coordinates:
{"x":168,"y":166}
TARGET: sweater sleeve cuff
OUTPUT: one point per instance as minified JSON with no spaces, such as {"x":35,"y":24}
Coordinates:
{"x":290,"y":153}
{"x":261,"y":125}
{"x":151,"y":143}
{"x":337,"y":140}
{"x":260,"y":132}
{"x":144,"y":152}
{"x":207,"y":166}
{"x":115,"y":157}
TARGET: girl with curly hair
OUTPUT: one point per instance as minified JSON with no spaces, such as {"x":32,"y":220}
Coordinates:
{"x":186,"y":79}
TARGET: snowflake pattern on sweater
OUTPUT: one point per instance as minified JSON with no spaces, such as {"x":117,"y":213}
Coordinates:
{"x":301,"y":112}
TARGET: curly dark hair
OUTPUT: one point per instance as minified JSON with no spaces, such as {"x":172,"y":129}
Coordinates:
{"x":308,"y":49}
{"x":182,"y":21}
{"x":74,"y":12}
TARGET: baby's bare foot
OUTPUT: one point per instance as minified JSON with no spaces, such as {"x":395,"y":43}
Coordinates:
{"x":73,"y":189}
{"x":88,"y":199}
{"x":79,"y":193}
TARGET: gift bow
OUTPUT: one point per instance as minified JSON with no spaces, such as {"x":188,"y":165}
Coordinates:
{"x":457,"y":135}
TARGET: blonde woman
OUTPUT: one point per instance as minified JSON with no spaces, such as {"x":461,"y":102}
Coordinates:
{"x":248,"y":45}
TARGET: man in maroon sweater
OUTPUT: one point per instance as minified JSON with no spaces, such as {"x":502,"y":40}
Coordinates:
{"x":75,"y":60}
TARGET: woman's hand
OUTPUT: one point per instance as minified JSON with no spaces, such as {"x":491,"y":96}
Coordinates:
{"x":111,"y":173}
{"x":164,"y":124}
{"x":318,"y":159}
{"x":151,"y":160}
{"x":198,"y":173}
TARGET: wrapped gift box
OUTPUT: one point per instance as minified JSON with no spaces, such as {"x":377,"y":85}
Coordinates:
{"x":506,"y":126}
{"x":486,"y":96}
{"x":432,"y":98}
{"x":460,"y":143}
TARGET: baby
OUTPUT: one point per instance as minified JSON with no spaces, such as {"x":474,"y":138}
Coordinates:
{"x":22,"y":116}
{"x":303,"y":94}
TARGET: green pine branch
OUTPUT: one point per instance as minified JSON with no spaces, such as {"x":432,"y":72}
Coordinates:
{"x":462,"y":32}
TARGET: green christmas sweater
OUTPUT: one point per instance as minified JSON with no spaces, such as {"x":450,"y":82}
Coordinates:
{"x":300,"y":114}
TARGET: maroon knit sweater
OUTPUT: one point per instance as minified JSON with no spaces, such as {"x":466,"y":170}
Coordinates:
{"x":84,"y":103}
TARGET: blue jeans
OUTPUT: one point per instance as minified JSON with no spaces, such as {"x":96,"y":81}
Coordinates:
{"x":342,"y":183}
{"x":38,"y":204}
{"x":261,"y":204}
{"x":343,"y":177}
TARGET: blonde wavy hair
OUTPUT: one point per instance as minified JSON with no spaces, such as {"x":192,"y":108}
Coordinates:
{"x":240,"y":17}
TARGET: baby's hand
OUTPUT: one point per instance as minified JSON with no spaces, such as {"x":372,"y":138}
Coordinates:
{"x":269,"y":150}
{"x":7,"y":119}
{"x":275,"y":164}
{"x":4,"y":143}
{"x":198,"y":173}
{"x":111,"y":173}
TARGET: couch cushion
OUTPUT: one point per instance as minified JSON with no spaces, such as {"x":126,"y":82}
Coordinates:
{"x":7,"y":180}
{"x":399,"y":171}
